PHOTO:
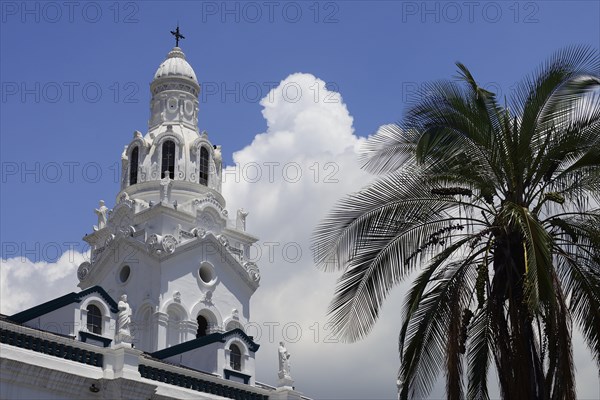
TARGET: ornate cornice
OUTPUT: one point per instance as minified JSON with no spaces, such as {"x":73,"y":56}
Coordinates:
{"x":159,"y":87}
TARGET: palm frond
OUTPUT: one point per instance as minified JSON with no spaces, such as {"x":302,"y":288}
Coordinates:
{"x":479,"y":355}
{"x":523,"y":180}
{"x":389,"y":149}
{"x":427,"y":330}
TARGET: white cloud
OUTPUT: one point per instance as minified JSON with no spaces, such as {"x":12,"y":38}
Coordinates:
{"x":25,"y":283}
{"x":313,"y":135}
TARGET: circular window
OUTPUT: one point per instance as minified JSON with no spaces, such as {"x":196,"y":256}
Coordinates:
{"x":124,"y":273}
{"x":206,"y":273}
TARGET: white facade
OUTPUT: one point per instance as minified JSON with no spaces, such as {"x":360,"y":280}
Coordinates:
{"x":172,"y":248}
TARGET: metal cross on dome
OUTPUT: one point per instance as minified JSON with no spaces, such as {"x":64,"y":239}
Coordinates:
{"x":177,"y":36}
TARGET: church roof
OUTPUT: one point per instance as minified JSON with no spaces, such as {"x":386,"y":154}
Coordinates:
{"x":204,"y":341}
{"x":161,"y":372}
{"x":59,"y":302}
{"x":175,"y":66}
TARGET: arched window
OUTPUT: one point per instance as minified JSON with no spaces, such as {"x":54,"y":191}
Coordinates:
{"x":235,"y":357}
{"x":174,"y":328}
{"x":143,"y":332}
{"x":203,"y":166}
{"x":94,"y":319}
{"x":168,"y":159}
{"x":133,"y":166}
{"x":202,"y":326}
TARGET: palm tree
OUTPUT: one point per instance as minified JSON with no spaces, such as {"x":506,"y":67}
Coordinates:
{"x":495,"y":209}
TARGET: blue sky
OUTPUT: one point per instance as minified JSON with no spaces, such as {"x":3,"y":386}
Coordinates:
{"x":75,"y":85}
{"x":55,"y":58}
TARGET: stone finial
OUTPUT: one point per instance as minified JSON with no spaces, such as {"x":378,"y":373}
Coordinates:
{"x":240,"y":221}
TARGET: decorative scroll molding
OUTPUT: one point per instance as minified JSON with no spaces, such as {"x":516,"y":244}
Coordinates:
{"x":252,"y":270}
{"x":160,"y":245}
{"x":84,"y":270}
{"x":210,"y":198}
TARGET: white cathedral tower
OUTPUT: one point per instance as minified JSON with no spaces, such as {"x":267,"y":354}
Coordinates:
{"x":166,"y":294}
{"x":169,"y":243}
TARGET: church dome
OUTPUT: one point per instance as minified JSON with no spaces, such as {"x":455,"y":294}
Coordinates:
{"x":175,"y":66}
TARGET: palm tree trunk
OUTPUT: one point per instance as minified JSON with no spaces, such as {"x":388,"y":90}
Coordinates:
{"x":520,"y":367}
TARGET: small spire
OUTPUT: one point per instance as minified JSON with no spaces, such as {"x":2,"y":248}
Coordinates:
{"x":177,"y":36}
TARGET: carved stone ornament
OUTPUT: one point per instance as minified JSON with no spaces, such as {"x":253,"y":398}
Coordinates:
{"x":124,"y":197}
{"x":181,"y":169}
{"x":169,"y":243}
{"x":175,"y":86}
{"x":121,"y":218}
{"x":223,"y":240}
{"x":183,"y":234}
{"x":109,"y":240}
{"x":158,"y":244}
{"x":208,"y":298}
{"x":252,"y":270}
{"x":177,"y":297}
{"x":240,"y":221}
{"x":209,"y":198}
{"x":154,"y":171}
{"x":207,"y":221}
{"x":199,"y":232}
{"x":83,"y":270}
{"x":192,"y":171}
{"x":154,"y":243}
{"x":124,"y":231}
{"x":142,"y":173}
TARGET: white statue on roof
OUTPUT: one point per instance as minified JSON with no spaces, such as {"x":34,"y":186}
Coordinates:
{"x":124,"y":321}
{"x":284,"y":361}
{"x":102,"y":212}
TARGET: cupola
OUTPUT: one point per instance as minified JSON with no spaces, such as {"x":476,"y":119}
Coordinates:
{"x":175,"y":92}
